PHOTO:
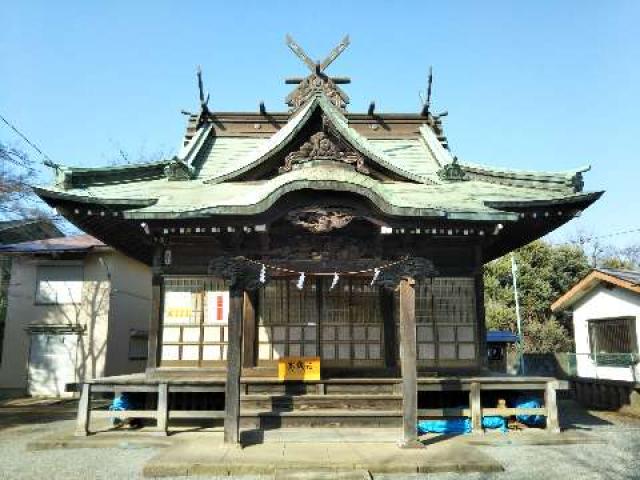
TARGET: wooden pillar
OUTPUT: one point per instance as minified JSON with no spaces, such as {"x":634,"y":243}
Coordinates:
{"x":481,"y":327}
{"x":389,"y":328}
{"x":475,"y":405}
{"x":249,"y":327}
{"x":84,"y":411}
{"x":234,"y":363}
{"x":155,"y":321}
{"x":550,"y":403}
{"x":163,"y":409}
{"x":408,"y":364}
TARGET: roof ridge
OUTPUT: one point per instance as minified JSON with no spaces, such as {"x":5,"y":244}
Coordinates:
{"x":566,"y":180}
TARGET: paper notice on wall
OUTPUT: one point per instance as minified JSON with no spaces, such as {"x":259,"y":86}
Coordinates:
{"x":178,"y":307}
{"x":217,"y":307}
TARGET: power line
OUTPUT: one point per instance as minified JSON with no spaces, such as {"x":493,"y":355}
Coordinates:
{"x":47,"y":160}
{"x":615,"y":234}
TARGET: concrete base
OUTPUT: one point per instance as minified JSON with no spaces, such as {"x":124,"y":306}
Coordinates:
{"x":290,"y":460}
{"x":288,"y":454}
{"x":103,"y":440}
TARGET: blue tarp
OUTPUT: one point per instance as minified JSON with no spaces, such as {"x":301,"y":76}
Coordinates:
{"x":459,"y":425}
{"x":447,"y":425}
{"x":495,"y":422}
{"x":530,"y":420}
{"x":120,"y":403}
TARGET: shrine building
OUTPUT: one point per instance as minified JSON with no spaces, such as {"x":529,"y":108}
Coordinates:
{"x":348,"y":244}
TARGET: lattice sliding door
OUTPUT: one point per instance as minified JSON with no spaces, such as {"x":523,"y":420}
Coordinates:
{"x":288,"y":320}
{"x":343,"y":326}
{"x":454,"y":313}
{"x":351,"y":325}
{"x":446,"y":322}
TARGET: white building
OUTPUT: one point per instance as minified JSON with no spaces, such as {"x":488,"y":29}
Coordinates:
{"x":606,"y":321}
{"x":77,"y":309}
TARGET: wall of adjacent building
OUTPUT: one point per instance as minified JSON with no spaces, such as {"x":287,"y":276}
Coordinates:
{"x":129,"y":314}
{"x":114,"y":299}
{"x":604,"y":303}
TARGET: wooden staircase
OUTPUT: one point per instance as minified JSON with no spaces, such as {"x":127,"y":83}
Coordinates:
{"x":360,"y":403}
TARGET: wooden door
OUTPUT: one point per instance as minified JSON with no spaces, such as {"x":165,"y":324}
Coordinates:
{"x":351,"y":324}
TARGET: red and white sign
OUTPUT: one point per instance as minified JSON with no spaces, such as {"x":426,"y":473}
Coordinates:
{"x":217,"y":307}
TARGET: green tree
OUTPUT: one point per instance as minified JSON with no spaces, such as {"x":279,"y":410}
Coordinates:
{"x":545,"y":272}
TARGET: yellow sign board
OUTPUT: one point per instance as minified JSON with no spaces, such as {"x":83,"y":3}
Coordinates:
{"x":179,"y":312}
{"x":299,"y":368}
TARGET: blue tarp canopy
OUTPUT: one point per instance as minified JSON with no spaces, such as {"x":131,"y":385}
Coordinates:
{"x":501,"y":336}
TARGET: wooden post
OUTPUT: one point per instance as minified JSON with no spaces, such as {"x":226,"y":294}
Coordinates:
{"x":163,"y":409}
{"x":84,"y":411}
{"x":155,"y":327}
{"x":481,"y":327}
{"x":408,"y":364}
{"x":389,"y":328}
{"x":476,"y":408}
{"x":551,"y":405}
{"x":234,"y":354}
{"x":249,"y":330}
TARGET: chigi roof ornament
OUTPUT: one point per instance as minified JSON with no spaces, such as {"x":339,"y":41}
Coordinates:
{"x":204,"y":100}
{"x":434,"y":121}
{"x":317,"y":81}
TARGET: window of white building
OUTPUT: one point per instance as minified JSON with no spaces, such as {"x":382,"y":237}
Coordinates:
{"x":59,"y":284}
{"x":613,"y":340}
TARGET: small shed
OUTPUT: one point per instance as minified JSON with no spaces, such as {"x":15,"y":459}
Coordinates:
{"x":606,"y":320}
{"x":498,"y":342}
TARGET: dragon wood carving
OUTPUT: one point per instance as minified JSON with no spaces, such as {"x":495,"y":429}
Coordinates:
{"x":321,"y":220}
{"x":321,"y":147}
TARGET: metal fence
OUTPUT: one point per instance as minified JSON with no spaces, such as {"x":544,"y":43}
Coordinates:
{"x":604,"y":366}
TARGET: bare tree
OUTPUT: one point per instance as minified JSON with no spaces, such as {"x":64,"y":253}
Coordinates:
{"x":17,"y":171}
{"x":591,"y":245}
{"x":143,"y":154}
{"x":603,"y":254}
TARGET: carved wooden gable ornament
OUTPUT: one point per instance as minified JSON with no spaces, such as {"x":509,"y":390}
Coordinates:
{"x":325,"y":145}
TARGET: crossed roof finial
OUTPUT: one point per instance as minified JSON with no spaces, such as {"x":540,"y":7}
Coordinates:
{"x":317,"y":80}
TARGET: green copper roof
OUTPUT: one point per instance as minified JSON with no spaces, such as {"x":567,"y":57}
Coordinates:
{"x":457,"y":200}
{"x":217,"y":163}
{"x":284,"y":136}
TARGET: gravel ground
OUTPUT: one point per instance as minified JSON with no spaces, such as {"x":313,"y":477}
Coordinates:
{"x":615,"y":456}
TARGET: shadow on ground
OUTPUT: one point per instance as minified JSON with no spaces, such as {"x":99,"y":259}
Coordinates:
{"x":574,"y":416}
{"x":16,"y":413}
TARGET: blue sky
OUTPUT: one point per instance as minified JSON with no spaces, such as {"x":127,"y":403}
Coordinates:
{"x":541,"y":85}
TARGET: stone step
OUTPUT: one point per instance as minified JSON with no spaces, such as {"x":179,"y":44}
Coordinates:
{"x":286,"y":403}
{"x":328,"y":418}
{"x":372,"y":387}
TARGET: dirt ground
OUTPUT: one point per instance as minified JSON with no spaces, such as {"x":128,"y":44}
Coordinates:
{"x":610,"y":450}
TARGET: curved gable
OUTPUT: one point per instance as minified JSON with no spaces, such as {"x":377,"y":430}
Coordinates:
{"x":295,"y":143}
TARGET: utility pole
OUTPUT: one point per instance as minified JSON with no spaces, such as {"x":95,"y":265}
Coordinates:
{"x":514,"y":276}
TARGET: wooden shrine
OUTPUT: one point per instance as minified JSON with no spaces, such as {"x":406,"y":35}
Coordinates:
{"x":354,"y":238}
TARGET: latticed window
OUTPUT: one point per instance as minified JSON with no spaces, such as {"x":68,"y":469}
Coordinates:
{"x":613,"y":340}
{"x":195,"y":319}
